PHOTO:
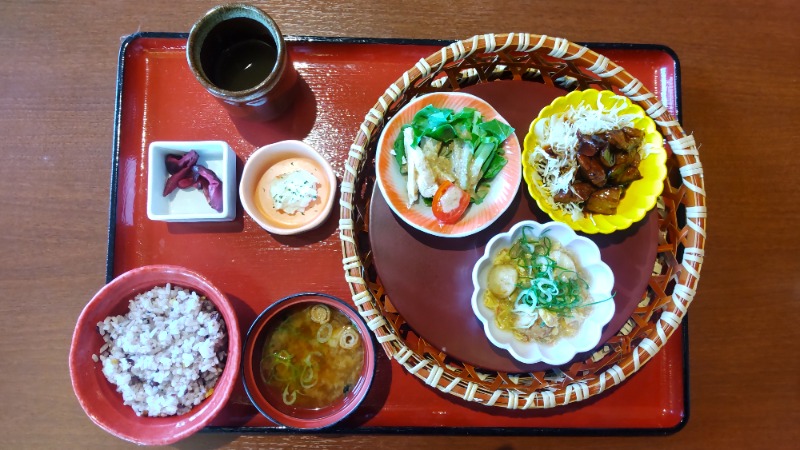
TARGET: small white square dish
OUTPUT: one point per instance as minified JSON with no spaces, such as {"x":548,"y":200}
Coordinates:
{"x":190,"y":204}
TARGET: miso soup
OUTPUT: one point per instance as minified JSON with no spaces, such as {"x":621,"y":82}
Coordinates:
{"x":313,"y":358}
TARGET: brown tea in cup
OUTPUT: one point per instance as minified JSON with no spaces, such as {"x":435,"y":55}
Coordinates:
{"x":238,"y":54}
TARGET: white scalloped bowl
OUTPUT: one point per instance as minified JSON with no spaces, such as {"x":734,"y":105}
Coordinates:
{"x":597,"y":274}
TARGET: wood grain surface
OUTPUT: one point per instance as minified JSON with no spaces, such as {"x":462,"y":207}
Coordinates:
{"x":739,"y":62}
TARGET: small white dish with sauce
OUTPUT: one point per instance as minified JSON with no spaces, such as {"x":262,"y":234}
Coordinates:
{"x":190,"y":205}
{"x":283,"y":170}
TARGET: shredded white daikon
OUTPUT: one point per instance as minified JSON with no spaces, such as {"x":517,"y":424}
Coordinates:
{"x":293,"y":192}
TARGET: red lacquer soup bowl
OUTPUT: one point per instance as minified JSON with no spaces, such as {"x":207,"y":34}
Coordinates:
{"x":100,"y":399}
{"x":273,"y":392}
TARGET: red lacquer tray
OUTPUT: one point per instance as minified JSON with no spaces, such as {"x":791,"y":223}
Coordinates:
{"x":158,"y":99}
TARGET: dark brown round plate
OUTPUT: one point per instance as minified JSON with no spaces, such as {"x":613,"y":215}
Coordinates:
{"x":429,"y":279}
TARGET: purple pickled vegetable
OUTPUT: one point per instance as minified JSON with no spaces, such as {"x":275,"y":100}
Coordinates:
{"x":173,"y":163}
{"x":186,"y":183}
{"x":176,"y":162}
{"x":186,"y":173}
{"x":180,"y":170}
{"x":212,"y":186}
{"x":174,"y":181}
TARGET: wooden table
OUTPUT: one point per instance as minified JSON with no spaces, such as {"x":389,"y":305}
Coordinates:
{"x":58,"y":63}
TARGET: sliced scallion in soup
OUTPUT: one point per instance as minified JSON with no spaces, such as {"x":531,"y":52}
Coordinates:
{"x":313,"y":358}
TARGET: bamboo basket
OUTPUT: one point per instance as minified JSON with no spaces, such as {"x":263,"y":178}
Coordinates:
{"x":682,"y":223}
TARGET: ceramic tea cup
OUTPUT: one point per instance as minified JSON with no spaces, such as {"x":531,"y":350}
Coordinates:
{"x":238,"y":55}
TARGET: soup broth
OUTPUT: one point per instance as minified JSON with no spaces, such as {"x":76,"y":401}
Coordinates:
{"x":313,"y":358}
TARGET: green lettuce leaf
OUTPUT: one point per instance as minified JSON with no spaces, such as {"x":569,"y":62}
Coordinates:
{"x":445,"y":125}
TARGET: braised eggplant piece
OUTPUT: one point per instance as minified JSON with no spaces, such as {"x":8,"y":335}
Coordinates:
{"x":578,"y":192}
{"x":617,"y":139}
{"x":624,"y":175}
{"x":592,"y":170}
{"x":585,"y":146}
{"x":607,"y":163}
{"x":626,"y":139}
{"x":591,"y":144}
{"x":627,"y":159}
{"x":626,"y":169}
{"x":634,"y":133}
{"x":604,"y":201}
{"x":607,"y":158}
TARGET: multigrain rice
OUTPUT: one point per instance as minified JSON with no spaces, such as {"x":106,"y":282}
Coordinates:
{"x":167,"y":353}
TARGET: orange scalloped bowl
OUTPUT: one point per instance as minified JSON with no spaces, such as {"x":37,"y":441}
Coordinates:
{"x":392,"y":183}
{"x":639,"y":198}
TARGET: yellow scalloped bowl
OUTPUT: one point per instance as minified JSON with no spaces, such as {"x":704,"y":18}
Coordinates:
{"x":639,"y":198}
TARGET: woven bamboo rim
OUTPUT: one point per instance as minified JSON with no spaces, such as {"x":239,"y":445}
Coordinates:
{"x":682,"y":224}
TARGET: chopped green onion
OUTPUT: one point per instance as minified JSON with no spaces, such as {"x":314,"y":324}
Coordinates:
{"x":539,"y":286}
{"x":288,"y":398}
